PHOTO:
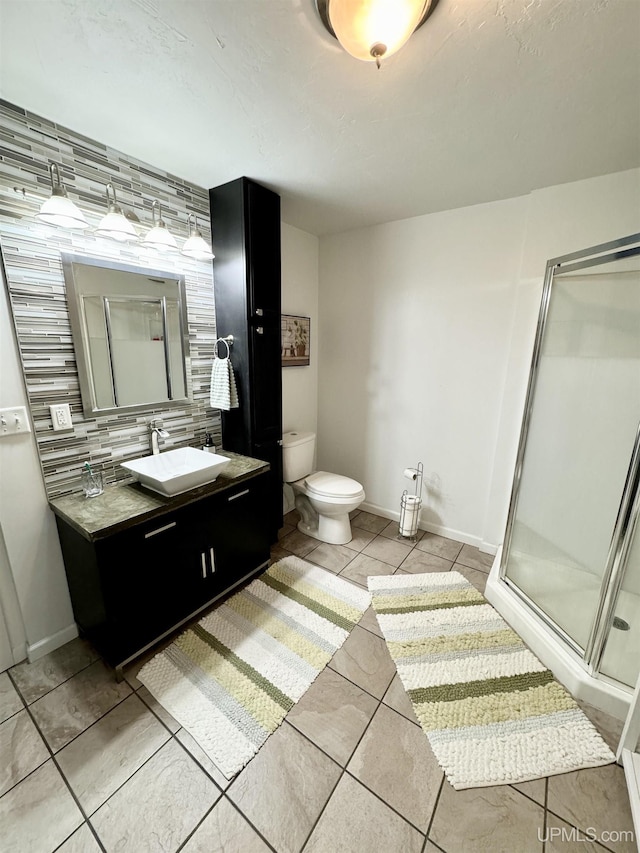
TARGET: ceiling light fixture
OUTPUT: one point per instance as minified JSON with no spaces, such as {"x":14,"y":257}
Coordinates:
{"x":373,"y":29}
{"x":195,"y":246}
{"x":58,"y":209}
{"x":159,"y":237}
{"x":115,"y":224}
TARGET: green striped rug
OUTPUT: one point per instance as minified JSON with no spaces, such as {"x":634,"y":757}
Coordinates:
{"x":231,"y":679}
{"x":491,"y":711}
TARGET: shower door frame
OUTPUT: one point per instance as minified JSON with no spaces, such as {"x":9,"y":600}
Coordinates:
{"x":629,"y":509}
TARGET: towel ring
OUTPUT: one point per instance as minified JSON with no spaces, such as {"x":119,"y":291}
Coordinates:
{"x":228,"y":342}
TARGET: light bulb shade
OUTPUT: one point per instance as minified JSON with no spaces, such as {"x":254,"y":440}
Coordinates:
{"x":195,"y":246}
{"x":116,"y":226}
{"x":62,"y":212}
{"x":362,"y":25}
{"x":161,"y":239}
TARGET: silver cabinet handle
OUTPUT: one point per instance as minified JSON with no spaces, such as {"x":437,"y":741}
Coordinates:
{"x":203,"y":562}
{"x":160,"y":530}
{"x":239,"y":495}
{"x":213,"y":560}
{"x":259,"y":312}
{"x":260,"y":330}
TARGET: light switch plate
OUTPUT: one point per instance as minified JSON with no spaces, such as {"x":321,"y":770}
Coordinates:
{"x":14,"y":420}
{"x":61,"y":416}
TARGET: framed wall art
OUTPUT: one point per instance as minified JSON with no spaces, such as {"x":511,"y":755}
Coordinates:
{"x":296,"y":332}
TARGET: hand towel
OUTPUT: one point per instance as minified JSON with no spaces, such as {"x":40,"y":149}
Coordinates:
{"x":224,"y":394}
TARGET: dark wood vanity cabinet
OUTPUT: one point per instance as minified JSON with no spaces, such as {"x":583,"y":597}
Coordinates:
{"x":131,"y":587}
{"x":245,"y":226}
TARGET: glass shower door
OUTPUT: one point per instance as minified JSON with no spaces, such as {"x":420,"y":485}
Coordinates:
{"x":581,"y":422}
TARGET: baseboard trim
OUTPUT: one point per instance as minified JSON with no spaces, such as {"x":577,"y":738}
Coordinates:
{"x":438,"y":529}
{"x":50,"y":644}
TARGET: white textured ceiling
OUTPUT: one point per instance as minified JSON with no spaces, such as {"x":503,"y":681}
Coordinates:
{"x":490,"y":99}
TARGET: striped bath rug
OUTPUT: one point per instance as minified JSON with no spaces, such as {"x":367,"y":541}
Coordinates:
{"x":491,"y":711}
{"x":231,"y":678}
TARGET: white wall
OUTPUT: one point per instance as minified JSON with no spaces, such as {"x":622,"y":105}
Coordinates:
{"x":300,"y":297}
{"x":30,"y":559}
{"x":426,"y":330}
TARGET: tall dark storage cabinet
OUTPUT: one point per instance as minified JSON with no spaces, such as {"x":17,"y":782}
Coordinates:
{"x":245,"y":226}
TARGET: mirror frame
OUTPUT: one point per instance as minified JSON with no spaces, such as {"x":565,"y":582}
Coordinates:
{"x":78,"y":332}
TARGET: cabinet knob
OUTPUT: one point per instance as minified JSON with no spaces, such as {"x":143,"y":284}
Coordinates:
{"x":260,"y":330}
{"x":259,"y":312}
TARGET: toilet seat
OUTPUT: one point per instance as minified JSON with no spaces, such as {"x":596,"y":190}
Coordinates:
{"x":323,"y":484}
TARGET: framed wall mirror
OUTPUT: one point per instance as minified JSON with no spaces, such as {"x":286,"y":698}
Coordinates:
{"x":129,"y":333}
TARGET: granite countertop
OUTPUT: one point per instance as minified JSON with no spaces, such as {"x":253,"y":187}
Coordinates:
{"x":123,"y":505}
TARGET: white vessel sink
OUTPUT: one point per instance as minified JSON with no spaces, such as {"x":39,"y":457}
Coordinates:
{"x":177,"y":471}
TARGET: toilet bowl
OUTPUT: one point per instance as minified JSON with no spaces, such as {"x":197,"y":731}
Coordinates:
{"x":324,"y":500}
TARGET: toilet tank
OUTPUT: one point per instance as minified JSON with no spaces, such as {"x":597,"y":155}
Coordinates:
{"x":297,"y":455}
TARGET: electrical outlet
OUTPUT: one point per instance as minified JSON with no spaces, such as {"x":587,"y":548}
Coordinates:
{"x":60,"y":416}
{"x":14,"y":420}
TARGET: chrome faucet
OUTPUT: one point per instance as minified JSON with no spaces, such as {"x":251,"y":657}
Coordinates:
{"x":157,"y":432}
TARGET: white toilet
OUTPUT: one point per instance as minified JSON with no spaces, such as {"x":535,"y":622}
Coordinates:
{"x":323,"y":500}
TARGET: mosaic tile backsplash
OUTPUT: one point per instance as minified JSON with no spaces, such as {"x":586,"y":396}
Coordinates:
{"x":33,"y":269}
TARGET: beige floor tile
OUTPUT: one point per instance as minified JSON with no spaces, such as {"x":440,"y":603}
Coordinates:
{"x":395,"y":761}
{"x":397,"y":698}
{"x":194,"y":748}
{"x":284,"y":788}
{"x":387,"y":550}
{"x":77,"y":703}
{"x":292,"y":518}
{"x":391,"y":532}
{"x":38,"y":814}
{"x":359,"y":539}
{"x":102,"y":758}
{"x":355,"y":821}
{"x":487,"y":820}
{"x":163,"y":715}
{"x":596,"y":798}
{"x":278,"y":553}
{"x":561,"y":837}
{"x":420,"y":561}
{"x":475,"y":577}
{"x":298,"y":543}
{"x":369,"y":521}
{"x":34,"y":680}
{"x":362,"y":566}
{"x":448,"y":549}
{"x":224,"y":830}
{"x":21,"y":750}
{"x":430,"y":847}
{"x":10,"y":702}
{"x":609,"y":727}
{"x":333,"y":713}
{"x":475,"y":559}
{"x":331,"y":557}
{"x":365,"y":660}
{"x":535,"y":789}
{"x":82,"y":841}
{"x":285,"y":530}
{"x":370,"y":622}
{"x":158,"y":807}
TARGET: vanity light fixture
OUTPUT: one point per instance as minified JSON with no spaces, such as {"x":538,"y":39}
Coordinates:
{"x":115,"y":224}
{"x":159,"y":237}
{"x":195,"y":246}
{"x":58,"y":209}
{"x":373,"y":29}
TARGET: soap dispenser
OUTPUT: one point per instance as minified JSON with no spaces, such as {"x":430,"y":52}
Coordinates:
{"x":209,"y":446}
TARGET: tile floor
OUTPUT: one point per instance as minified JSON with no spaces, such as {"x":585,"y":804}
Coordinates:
{"x":87,"y":764}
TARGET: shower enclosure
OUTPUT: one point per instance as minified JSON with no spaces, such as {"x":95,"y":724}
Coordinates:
{"x":568,"y":574}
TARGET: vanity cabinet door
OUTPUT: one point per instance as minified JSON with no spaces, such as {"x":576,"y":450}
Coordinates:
{"x":151,"y":579}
